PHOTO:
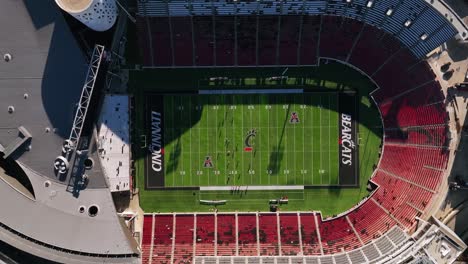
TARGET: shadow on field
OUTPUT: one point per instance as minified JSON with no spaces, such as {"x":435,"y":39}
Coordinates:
{"x":369,"y":114}
{"x":277,"y":154}
{"x":276,"y":157}
{"x":345,"y":77}
{"x":334,"y":191}
{"x":173,"y":161}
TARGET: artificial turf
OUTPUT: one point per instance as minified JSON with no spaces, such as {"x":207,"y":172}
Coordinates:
{"x":325,"y":81}
{"x":251,"y":139}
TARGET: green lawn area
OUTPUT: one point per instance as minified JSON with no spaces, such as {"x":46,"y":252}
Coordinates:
{"x":326,"y":78}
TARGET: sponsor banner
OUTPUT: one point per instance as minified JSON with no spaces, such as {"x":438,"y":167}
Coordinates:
{"x":348,"y":147}
{"x":155,"y":142}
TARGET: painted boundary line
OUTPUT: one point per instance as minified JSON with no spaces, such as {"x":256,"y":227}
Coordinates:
{"x":253,"y":187}
{"x":151,"y":104}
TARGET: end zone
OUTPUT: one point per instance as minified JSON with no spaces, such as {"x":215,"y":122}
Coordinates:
{"x":348,"y":152}
{"x":154,"y":161}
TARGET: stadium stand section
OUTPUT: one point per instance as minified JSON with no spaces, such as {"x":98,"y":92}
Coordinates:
{"x":268,"y":234}
{"x":269,"y":240}
{"x":146,"y":239}
{"x":266,"y":33}
{"x":337,"y":235}
{"x":226,"y":236}
{"x":289,"y":233}
{"x":309,"y":234}
{"x":247,"y":235}
{"x":394,"y":246}
{"x":205,"y":236}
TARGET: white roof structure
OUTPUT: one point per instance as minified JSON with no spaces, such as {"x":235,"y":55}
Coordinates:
{"x":98,"y":15}
{"x":114,"y":142}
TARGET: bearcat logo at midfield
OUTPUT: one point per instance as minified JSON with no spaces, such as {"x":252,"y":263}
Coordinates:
{"x":248,"y":142}
{"x":155,"y":147}
{"x":346,"y":140}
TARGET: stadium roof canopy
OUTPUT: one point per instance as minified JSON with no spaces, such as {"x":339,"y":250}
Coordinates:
{"x":40,"y":85}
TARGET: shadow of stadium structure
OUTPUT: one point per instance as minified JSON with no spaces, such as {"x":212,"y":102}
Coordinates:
{"x":276,"y":153}
{"x":456,"y":202}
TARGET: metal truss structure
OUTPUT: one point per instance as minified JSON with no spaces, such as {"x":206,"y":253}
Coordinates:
{"x":61,"y":162}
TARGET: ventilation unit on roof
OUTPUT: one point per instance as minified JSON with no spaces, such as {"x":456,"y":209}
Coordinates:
{"x":370,"y":4}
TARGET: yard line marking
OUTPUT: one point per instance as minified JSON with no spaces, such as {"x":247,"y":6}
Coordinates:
{"x":215,"y":154}
{"x":225,"y":141}
{"x":277,"y":148}
{"x":178,"y":131}
{"x":187,"y":108}
{"x":233,"y":138}
{"x":259,"y":157}
{"x":190,"y":139}
{"x":329,"y":143}
{"x":295,"y":139}
{"x":312,"y":109}
{"x":242,"y":127}
{"x":320,"y":142}
{"x":286,"y":143}
{"x":251,"y":155}
{"x":199,"y":139}
{"x":208,"y":133}
{"x":303,"y":140}
{"x":180,"y":146}
{"x":268,"y":111}
{"x":233,"y":133}
{"x":173,"y":130}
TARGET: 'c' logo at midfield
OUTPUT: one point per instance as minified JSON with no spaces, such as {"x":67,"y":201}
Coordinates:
{"x":248,"y":142}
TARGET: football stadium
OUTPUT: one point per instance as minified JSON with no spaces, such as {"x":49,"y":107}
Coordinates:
{"x":229,"y":132}
{"x":255,"y":138}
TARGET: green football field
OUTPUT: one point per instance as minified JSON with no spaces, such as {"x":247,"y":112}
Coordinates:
{"x":326,"y":80}
{"x":241,"y":140}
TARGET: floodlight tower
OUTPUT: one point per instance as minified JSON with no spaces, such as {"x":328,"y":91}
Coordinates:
{"x":98,"y":15}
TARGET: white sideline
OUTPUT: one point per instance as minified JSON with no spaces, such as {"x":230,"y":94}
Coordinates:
{"x":252,"y":187}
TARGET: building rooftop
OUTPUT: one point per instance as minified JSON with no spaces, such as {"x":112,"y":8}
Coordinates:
{"x":42,"y":83}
